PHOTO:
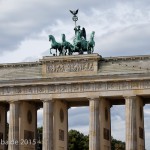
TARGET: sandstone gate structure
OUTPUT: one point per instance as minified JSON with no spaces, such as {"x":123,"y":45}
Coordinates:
{"x":57,"y":83}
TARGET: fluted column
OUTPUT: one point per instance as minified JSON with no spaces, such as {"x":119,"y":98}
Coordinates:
{"x":105,"y":123}
{"x":47,"y":125}
{"x":94,"y":125}
{"x":14,"y":126}
{"x":131,"y":129}
{"x":3,"y":121}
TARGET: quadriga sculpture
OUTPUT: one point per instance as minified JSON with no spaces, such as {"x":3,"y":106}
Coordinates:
{"x":80,"y":44}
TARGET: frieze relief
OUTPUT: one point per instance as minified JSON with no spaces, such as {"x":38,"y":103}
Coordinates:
{"x":76,"y":87}
{"x":71,"y":66}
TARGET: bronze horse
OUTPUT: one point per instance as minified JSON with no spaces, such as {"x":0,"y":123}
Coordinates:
{"x":55,"y":45}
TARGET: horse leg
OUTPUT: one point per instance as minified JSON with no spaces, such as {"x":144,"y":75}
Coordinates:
{"x":56,"y":52}
{"x":69,"y":51}
{"x":92,"y":49}
{"x":64,"y":51}
{"x":50,"y":51}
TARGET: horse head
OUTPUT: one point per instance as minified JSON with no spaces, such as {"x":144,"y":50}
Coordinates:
{"x":91,"y":43}
{"x":63,"y":37}
{"x":50,"y":37}
{"x":92,"y":35}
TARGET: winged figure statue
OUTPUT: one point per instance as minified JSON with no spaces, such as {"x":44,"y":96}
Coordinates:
{"x":74,"y":12}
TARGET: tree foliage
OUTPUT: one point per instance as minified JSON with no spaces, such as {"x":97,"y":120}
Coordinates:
{"x":117,"y":145}
{"x":78,"y":141}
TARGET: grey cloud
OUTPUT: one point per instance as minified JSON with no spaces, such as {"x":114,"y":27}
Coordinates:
{"x":27,"y":18}
{"x":78,"y":110}
{"x":118,"y":111}
{"x":130,"y":41}
{"x":78,"y":117}
{"x":118,"y":122}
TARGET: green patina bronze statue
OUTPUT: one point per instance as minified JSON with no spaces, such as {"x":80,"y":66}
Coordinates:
{"x":55,"y":45}
{"x":80,"y":44}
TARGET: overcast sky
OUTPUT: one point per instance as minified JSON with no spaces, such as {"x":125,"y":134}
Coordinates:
{"x":122,"y":27}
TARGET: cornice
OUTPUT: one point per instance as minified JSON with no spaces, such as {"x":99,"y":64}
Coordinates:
{"x":75,"y":79}
{"x":23,"y":64}
{"x":125,"y":58}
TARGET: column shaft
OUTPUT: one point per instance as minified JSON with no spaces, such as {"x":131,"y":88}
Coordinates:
{"x":3,"y":125}
{"x":105,"y":124}
{"x":94,"y":125}
{"x":131,"y":129}
{"x":47,"y":125}
{"x":14,"y":126}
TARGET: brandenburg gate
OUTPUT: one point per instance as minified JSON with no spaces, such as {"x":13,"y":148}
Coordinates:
{"x":57,"y":83}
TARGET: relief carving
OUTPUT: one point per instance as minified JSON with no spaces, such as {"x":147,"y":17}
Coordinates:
{"x":88,"y":87}
{"x":28,"y":90}
{"x":146,"y":84}
{"x":100,"y":86}
{"x":75,"y":87}
{"x":106,"y":134}
{"x":63,"y":88}
{"x":7,"y":90}
{"x":125,"y":85}
{"x":2,"y":91}
{"x":18,"y":90}
{"x":72,"y":66}
{"x":61,"y":135}
{"x":51,"y":89}
{"x":41,"y":89}
{"x":112,"y":86}
{"x":135,"y":85}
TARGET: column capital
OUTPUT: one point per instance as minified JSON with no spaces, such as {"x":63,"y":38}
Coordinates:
{"x":93,"y":98}
{"x":13,"y":101}
{"x":47,"y":100}
{"x":130,"y":96}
